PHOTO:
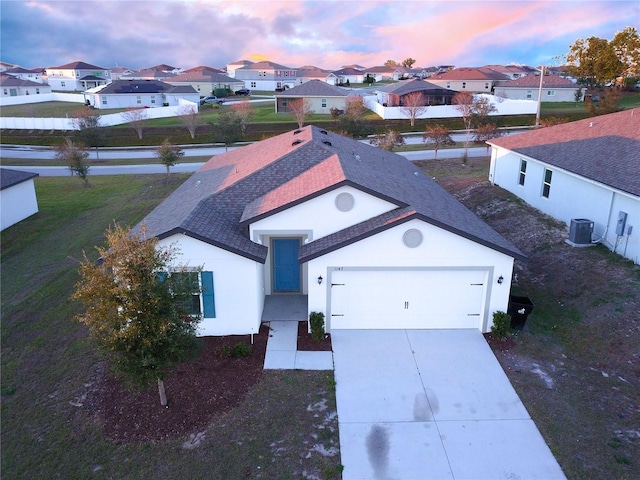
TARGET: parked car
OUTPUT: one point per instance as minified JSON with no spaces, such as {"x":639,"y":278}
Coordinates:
{"x":243,"y":91}
{"x":211,"y":99}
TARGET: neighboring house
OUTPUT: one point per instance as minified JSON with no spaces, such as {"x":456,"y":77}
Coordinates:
{"x":152,"y":73}
{"x":586,"y":170}
{"x":309,"y":72}
{"x":77,"y":76}
{"x":233,"y":66}
{"x":372,"y":241}
{"x":17,"y":196}
{"x":139,"y":94}
{"x":37,"y":75}
{"x":11,"y":86}
{"x":554,"y":89}
{"x":346,"y":75}
{"x":4,"y":66}
{"x":392,"y":95}
{"x":118,"y":72}
{"x":266,"y":76}
{"x":512,"y":71}
{"x":381,"y":73}
{"x":320,"y":96}
{"x":475,"y":80}
{"x":206,"y":80}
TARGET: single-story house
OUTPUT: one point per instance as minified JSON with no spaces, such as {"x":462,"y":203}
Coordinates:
{"x":346,"y":75}
{"x":206,"y":80}
{"x":77,"y":76}
{"x":584,"y":173}
{"x":139,"y":94}
{"x":17,"y":196}
{"x":554,"y":89}
{"x":392,"y":95}
{"x":475,"y":80}
{"x":320,"y":96}
{"x":11,"y":86}
{"x":310,"y":72}
{"x":363,"y":235}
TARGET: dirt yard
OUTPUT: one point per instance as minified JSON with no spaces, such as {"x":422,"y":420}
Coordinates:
{"x":576,"y":363}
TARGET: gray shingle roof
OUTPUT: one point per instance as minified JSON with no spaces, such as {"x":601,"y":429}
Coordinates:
{"x":404,"y":87}
{"x":9,"y":178}
{"x":314,"y":88}
{"x":605,"y":149}
{"x":231,"y":190}
{"x":143,"y":86}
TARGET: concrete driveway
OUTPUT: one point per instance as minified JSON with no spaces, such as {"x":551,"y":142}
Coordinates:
{"x":431,"y":404}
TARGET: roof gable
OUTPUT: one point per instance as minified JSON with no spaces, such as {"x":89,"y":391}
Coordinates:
{"x":605,"y":149}
{"x":77,"y":66}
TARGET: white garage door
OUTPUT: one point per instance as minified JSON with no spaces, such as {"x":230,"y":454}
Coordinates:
{"x":406,"y":299}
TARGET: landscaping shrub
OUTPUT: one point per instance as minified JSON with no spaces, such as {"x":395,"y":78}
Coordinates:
{"x":316,"y":321}
{"x":239,"y":350}
{"x":501,"y":327}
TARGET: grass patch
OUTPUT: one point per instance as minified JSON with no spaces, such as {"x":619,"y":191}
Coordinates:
{"x":50,"y":369}
{"x":48,"y":110}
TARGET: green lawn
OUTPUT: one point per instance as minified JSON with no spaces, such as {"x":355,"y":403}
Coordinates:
{"x":49,"y":365}
{"x":47,"y":110}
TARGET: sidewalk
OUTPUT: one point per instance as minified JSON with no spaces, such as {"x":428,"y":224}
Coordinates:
{"x":282,"y":353}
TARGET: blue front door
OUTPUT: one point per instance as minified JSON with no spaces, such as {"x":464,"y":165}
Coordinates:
{"x":286,"y":269}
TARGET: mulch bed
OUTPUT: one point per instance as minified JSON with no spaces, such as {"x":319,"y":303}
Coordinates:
{"x":197,"y":391}
{"x":306,"y":343}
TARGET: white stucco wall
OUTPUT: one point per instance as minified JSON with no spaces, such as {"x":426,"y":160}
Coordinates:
{"x":306,"y":215}
{"x":439,"y":248}
{"x":17,"y":203}
{"x":237,"y":284}
{"x":531,"y":93}
{"x":571,"y":197}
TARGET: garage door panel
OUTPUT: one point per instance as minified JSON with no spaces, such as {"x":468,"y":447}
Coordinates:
{"x":407,"y":299}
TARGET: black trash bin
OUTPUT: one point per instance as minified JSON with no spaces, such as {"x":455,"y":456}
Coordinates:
{"x":519,"y":309}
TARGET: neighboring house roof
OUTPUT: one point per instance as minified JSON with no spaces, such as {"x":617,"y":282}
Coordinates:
{"x":348,"y":71}
{"x":466,"y":73}
{"x":150,"y":73}
{"x":239,"y":187}
{"x":143,"y":86}
{"x":18,"y":70}
{"x":266,"y":65}
{"x":404,"y":87}
{"x":314,"y":88}
{"x":92,"y":78}
{"x":548,"y":81}
{"x":380,"y":69}
{"x":202,"y":68}
{"x":163,"y":67}
{"x":9,"y":178}
{"x":77,"y":66}
{"x":309,"y":71}
{"x":11,"y":81}
{"x":242,"y":62}
{"x":605,"y":149}
{"x":202,"y":76}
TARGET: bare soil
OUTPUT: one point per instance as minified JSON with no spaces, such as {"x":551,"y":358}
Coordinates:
{"x":576,"y":363}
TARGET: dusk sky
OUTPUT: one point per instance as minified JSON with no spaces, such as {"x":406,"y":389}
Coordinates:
{"x":324,"y":33}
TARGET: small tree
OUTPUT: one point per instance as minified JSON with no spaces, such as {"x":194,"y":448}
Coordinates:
{"x":300,"y":109}
{"x":387,"y":141}
{"x":474,"y":111}
{"x":414,"y":106}
{"x":169,"y":155}
{"x":137,"y":307}
{"x":353,"y":122}
{"x":75,"y":157}
{"x":609,"y":103}
{"x":408,"y":62}
{"x":243,"y":111}
{"x":189,"y":118}
{"x":89,"y":131}
{"x":483,"y":133}
{"x":228,"y":129}
{"x":137,"y":118}
{"x":438,"y":135}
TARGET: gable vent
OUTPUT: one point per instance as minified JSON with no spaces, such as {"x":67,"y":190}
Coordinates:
{"x":296,"y":142}
{"x":296,"y":132}
{"x":326,"y":142}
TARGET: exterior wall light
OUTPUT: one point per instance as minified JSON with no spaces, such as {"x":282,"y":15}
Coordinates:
{"x":500,"y":280}
{"x":320,"y":280}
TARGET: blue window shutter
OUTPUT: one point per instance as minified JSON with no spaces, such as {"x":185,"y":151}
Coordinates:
{"x":208,"y":297}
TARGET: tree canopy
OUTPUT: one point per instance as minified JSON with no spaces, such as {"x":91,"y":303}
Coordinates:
{"x":408,"y":62}
{"x":169,"y":155}
{"x":75,"y":157}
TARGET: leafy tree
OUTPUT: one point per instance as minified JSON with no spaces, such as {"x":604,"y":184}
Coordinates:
{"x":474,"y":111}
{"x":438,"y":135}
{"x":189,"y":118}
{"x":137,"y":118}
{"x":486,"y":132}
{"x":414,"y":106}
{"x":391,"y":63}
{"x":594,"y":61}
{"x":75,"y":157}
{"x":609,"y":103}
{"x":89,"y":131}
{"x":388,"y":140}
{"x":300,"y":109}
{"x":137,"y":309}
{"x":354,"y":122}
{"x":626,"y":45}
{"x":228,"y":129}
{"x":408,"y":62}
{"x":243,"y":110}
{"x":169,"y":155}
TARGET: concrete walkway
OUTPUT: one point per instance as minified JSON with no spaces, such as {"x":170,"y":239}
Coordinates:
{"x":431,"y":404}
{"x":282,"y":352}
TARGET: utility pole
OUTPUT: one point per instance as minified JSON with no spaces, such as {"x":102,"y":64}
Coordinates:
{"x":539,"y":96}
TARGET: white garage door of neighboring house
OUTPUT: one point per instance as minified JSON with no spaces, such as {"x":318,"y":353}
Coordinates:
{"x":407,"y":299}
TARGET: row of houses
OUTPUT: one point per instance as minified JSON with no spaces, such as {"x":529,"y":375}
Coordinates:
{"x":511,"y":81}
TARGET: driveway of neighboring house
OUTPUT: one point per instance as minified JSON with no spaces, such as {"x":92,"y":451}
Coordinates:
{"x":431,"y":404}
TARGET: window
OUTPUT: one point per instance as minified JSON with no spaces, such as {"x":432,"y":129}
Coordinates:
{"x":62,"y":84}
{"x":37,"y":91}
{"x":153,"y":99}
{"x":202,"y":300}
{"x":104,"y":100}
{"x":523,"y":172}
{"x":546,"y":187}
{"x":529,"y":94}
{"x":486,"y":85}
{"x":464,"y":84}
{"x":253,"y":84}
{"x":324,"y":103}
{"x":551,"y":93}
{"x":138,"y":99}
{"x":5,"y":91}
{"x":448,"y":84}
